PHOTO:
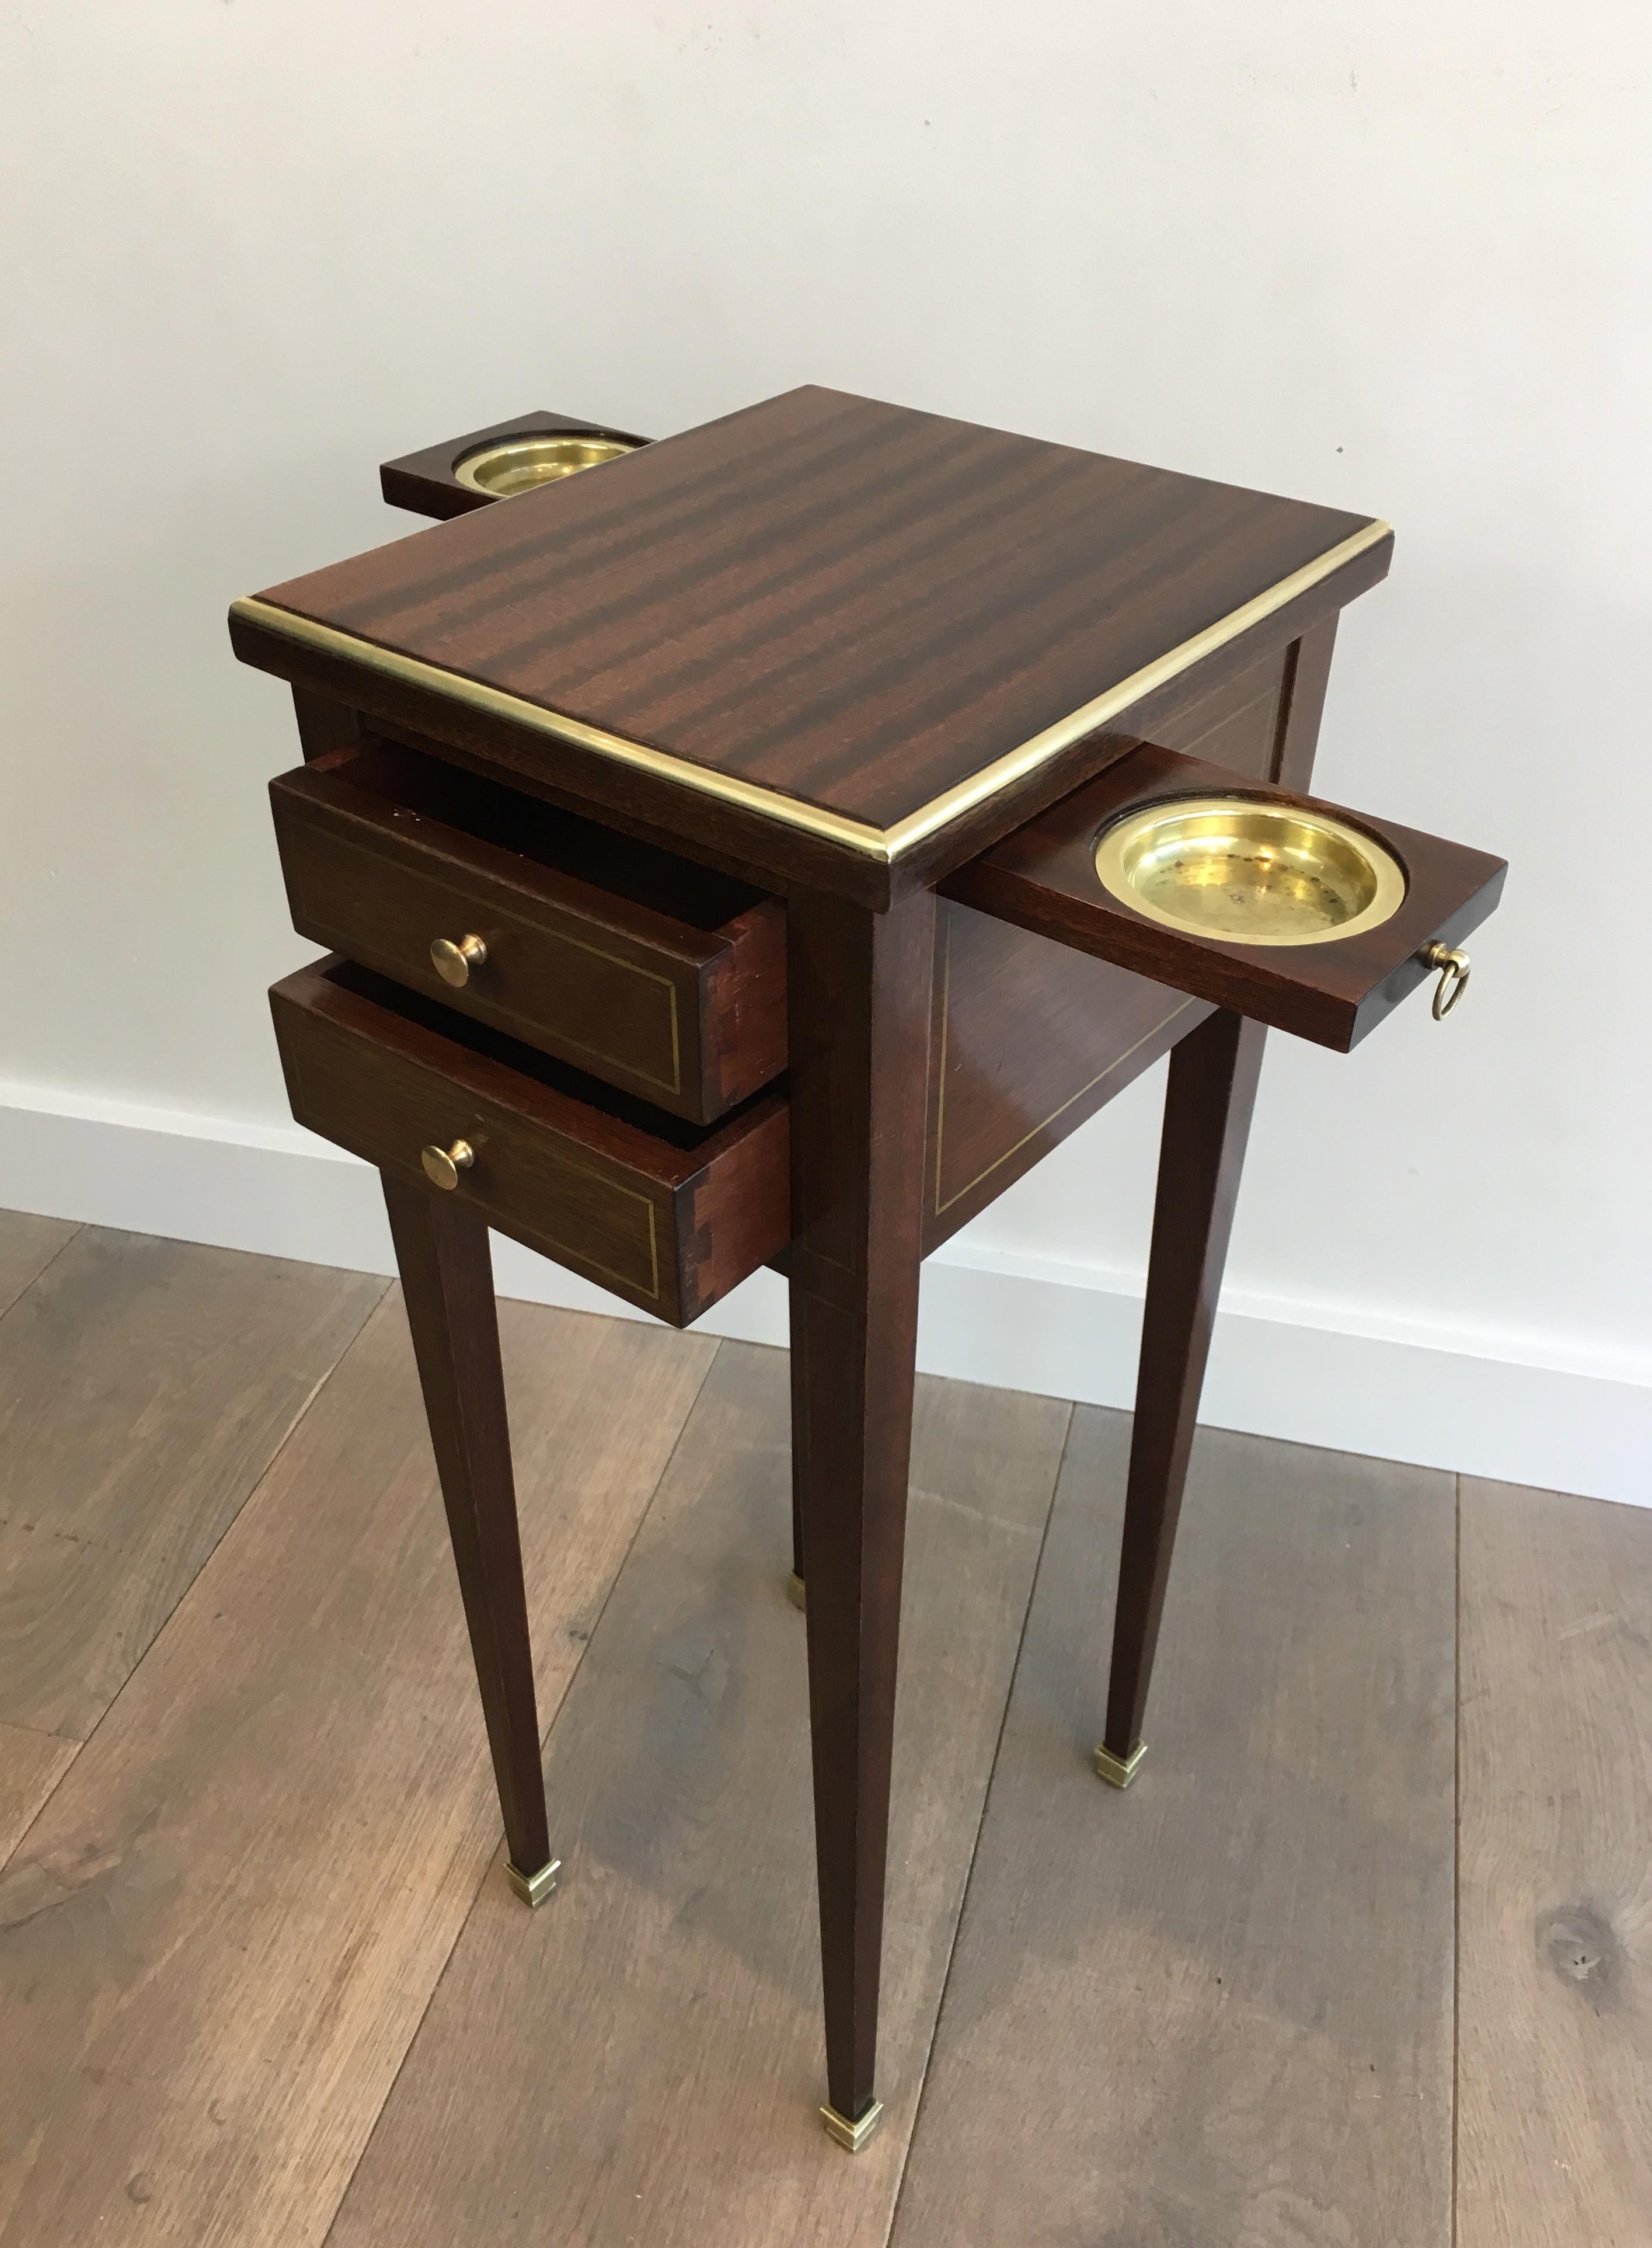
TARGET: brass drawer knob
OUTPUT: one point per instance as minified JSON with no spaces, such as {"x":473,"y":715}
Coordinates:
{"x":453,"y":963}
{"x":1454,"y":976}
{"x":443,"y":1165}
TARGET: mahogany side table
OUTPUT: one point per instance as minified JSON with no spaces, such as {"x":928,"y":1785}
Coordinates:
{"x":764,"y":846}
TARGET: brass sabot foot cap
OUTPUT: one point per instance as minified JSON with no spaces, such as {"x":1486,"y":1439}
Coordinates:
{"x":1118,"y":1772}
{"x":794,"y":1592}
{"x":533,"y":1888}
{"x":853,"y":2135}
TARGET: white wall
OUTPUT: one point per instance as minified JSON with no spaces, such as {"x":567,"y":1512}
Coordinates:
{"x":1392,"y":259}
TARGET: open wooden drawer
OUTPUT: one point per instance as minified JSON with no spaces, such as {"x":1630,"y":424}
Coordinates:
{"x":671,"y":1216}
{"x":1281,"y":908}
{"x":659,"y":975}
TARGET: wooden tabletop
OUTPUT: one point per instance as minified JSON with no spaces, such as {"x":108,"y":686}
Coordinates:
{"x":856,"y":618}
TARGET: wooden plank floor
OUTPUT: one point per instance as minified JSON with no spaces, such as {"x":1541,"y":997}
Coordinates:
{"x":1555,"y":2004}
{"x":666,"y":2012}
{"x":145,"y":1387}
{"x":1226,"y":2011}
{"x":1363,"y":1960}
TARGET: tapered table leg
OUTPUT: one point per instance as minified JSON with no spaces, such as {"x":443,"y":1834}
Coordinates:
{"x":795,"y":1587}
{"x":1207,"y":1119}
{"x":860,"y":986}
{"x":447,"y":1278}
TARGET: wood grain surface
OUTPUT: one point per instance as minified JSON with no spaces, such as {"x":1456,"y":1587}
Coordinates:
{"x":220,"y":1934}
{"x":27,"y":1246}
{"x":848,"y":601}
{"x":1555,"y":2133}
{"x":641,"y":2063}
{"x":30,"y":1765}
{"x":145,"y":1385}
{"x":1216,"y":2009}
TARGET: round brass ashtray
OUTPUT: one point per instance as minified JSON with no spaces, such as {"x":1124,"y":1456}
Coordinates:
{"x":1249,"y":872}
{"x":510,"y":465}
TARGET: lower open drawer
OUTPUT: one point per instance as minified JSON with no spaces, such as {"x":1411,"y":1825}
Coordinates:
{"x":667,"y":1214}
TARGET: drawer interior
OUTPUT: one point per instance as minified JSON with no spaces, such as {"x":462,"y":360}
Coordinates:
{"x":542,"y":1069}
{"x":423,"y":787}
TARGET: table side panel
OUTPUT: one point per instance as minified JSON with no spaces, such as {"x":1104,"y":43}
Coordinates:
{"x":1028,"y":1039}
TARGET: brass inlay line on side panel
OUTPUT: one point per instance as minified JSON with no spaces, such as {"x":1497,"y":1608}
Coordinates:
{"x":1118,"y":1062}
{"x":1270,"y":694}
{"x":882,"y":844}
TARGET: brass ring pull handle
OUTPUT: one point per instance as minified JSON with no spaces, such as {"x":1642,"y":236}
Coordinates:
{"x":453,"y":963}
{"x":443,"y":1165}
{"x":1454,"y":976}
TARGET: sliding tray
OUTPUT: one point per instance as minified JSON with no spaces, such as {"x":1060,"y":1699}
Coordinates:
{"x":488,"y":465}
{"x":1281,"y":908}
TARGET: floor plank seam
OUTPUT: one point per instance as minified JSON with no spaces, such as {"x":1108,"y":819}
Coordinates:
{"x":43,"y":1733}
{"x":546,"y":1731}
{"x":80,"y":1747}
{"x":981,"y":1822}
{"x":44,"y":1804}
{"x":253,"y":1490}
{"x":549,"y":1726}
{"x":437,"y":1980}
{"x":77,"y":1227}
{"x":323,"y":1379}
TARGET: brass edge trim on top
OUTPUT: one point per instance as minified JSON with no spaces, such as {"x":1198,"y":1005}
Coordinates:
{"x":882,"y":844}
{"x":1016,"y":763}
{"x":289,"y":624}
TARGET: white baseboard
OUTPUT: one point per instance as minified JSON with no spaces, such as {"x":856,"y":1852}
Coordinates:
{"x":1313,"y":1375}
